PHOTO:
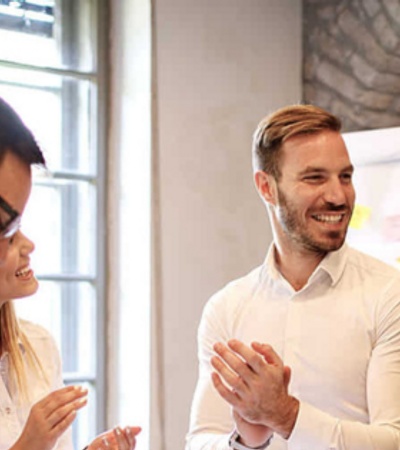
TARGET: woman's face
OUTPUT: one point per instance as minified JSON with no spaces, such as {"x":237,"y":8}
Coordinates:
{"x":17,"y":279}
{"x":15,"y":188}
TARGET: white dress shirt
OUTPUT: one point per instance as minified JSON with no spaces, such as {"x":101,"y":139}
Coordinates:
{"x":12,"y":415}
{"x":340,"y":334}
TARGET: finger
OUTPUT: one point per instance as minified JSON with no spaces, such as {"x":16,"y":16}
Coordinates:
{"x":105,"y":443}
{"x":253,"y":360}
{"x":131,"y":438}
{"x":108,"y":436}
{"x":131,"y":433}
{"x":229,"y":396}
{"x":59,"y":398}
{"x":62,"y":425}
{"x":133,"y":430}
{"x":268,"y":353}
{"x":59,"y":414}
{"x":122,"y":441}
{"x":232,"y":379}
{"x":287,"y":373}
{"x":231,"y":359}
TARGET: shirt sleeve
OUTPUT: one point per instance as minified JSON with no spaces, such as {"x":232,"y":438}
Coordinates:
{"x":318,"y":430}
{"x":210,"y":419}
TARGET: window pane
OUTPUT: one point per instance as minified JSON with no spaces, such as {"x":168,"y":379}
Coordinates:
{"x":60,"y":112}
{"x":67,"y":310}
{"x":61,"y":219}
{"x":48,"y":33}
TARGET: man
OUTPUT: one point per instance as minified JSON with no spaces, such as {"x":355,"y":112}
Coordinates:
{"x":17,"y":140}
{"x":303,"y":353}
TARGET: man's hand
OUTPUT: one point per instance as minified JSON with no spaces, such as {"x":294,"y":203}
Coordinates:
{"x":254,"y":382}
{"x":255,"y":435}
{"x":116,"y":439}
{"x":251,"y":435}
{"x":50,"y":417}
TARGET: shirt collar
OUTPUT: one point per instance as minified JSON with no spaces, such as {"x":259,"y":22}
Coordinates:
{"x":333,"y":265}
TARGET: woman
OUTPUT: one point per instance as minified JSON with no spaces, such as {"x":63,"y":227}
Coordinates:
{"x":35,"y":410}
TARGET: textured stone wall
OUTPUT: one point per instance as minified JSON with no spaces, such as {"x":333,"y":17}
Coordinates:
{"x":352,"y":60}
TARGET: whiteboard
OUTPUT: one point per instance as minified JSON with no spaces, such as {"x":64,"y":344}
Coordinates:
{"x":375,"y":225}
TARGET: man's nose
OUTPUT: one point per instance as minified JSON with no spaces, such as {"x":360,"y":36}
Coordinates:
{"x":335,"y":192}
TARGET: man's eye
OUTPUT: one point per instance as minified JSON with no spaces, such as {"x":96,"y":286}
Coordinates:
{"x":347,"y":176}
{"x":313,"y":178}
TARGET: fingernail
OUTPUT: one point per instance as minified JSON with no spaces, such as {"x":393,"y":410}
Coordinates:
{"x":79,"y":388}
{"x":118,"y":430}
{"x":82,"y":401}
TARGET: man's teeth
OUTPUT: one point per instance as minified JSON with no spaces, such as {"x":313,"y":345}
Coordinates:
{"x":23,"y":271}
{"x":330,"y":219}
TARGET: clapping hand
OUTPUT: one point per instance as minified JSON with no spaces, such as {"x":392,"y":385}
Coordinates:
{"x":116,"y":439}
{"x":50,"y":417}
{"x":254,"y":381}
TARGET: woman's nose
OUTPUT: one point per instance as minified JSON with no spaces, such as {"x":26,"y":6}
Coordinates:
{"x":27,"y":246}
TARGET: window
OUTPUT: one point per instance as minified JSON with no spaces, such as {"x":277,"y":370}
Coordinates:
{"x":50,"y":72}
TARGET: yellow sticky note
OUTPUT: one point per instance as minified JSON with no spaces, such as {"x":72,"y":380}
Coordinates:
{"x":360,"y":216}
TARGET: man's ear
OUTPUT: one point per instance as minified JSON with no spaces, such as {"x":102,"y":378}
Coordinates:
{"x":266,"y":186}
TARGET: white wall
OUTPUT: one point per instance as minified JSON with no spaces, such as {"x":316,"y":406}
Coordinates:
{"x":218,"y":67}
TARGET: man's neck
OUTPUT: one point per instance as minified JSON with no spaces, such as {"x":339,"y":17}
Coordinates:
{"x":297,"y":267}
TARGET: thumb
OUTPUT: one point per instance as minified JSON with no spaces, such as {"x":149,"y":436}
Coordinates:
{"x":287,"y":373}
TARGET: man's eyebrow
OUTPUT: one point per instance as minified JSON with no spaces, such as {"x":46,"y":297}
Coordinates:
{"x":316,"y":169}
{"x":312,"y":169}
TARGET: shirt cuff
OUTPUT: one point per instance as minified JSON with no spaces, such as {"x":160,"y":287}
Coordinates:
{"x":313,"y":428}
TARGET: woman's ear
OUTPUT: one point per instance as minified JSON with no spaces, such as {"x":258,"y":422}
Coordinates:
{"x":266,"y":186}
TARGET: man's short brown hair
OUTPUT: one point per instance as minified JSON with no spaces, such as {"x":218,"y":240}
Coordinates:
{"x":283,"y":124}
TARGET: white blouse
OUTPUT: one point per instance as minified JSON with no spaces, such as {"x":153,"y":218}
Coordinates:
{"x":12,"y":415}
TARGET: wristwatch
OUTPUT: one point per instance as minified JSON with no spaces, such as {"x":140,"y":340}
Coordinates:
{"x":236,"y":445}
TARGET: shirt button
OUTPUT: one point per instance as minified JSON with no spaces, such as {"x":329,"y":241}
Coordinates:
{"x":8,"y":410}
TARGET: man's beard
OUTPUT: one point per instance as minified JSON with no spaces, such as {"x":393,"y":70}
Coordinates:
{"x":290,"y":221}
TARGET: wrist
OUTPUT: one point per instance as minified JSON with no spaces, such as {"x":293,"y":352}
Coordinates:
{"x":237,"y":443}
{"x":288,"y":418}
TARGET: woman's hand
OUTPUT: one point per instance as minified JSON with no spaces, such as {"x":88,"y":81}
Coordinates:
{"x":116,"y":439}
{"x":50,"y":417}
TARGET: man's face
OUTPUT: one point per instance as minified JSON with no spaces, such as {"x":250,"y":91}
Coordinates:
{"x":15,"y":187}
{"x":314,"y":197}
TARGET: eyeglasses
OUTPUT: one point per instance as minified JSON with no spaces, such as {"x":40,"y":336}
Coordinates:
{"x":10,"y":220}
